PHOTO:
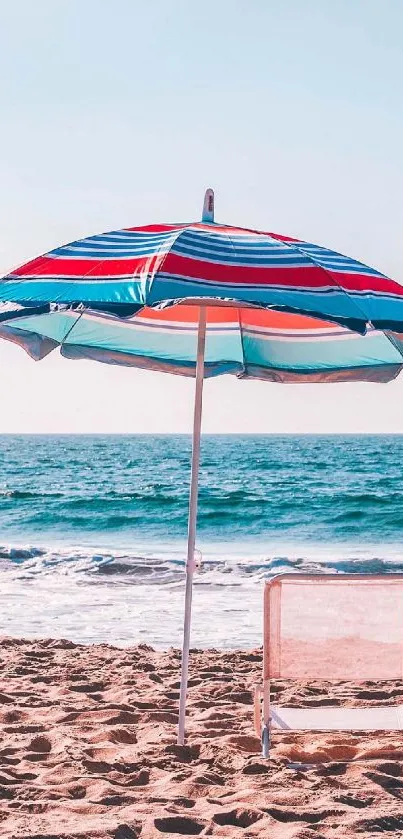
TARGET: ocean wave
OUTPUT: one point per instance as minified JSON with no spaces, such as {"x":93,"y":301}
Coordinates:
{"x":119,"y":567}
{"x":13,"y":554}
{"x":21,"y":494}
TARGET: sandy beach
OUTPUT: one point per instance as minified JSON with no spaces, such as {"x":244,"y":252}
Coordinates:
{"x":88,"y":750}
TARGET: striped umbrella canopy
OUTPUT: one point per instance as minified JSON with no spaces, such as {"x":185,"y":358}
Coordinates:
{"x":250,"y":343}
{"x":204,"y":299}
{"x":122,"y":271}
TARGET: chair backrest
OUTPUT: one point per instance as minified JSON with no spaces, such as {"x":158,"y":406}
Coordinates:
{"x":333,"y":626}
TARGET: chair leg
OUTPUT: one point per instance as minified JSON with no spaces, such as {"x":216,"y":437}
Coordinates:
{"x":257,"y":710}
{"x":266,"y":730}
{"x":266,"y":741}
{"x":262,"y":728}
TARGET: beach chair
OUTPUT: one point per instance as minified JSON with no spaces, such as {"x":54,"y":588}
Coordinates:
{"x":330,"y":627}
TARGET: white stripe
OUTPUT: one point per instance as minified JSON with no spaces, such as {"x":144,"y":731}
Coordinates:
{"x":160,"y":326}
{"x":52,"y":278}
{"x":98,"y":255}
{"x":193,"y":250}
{"x":304,"y":336}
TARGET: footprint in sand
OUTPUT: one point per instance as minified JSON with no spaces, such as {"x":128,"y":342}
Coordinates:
{"x":87,"y":687}
{"x":219,"y":725}
{"x":309,"y":816}
{"x":256,"y":768}
{"x":355,"y":801}
{"x":209,"y":779}
{"x":324,"y":753}
{"x":395,"y":769}
{"x":124,"y":831}
{"x":40,"y":744}
{"x":121,"y":735}
{"x":238,"y":818}
{"x":124,"y":717}
{"x":245,"y":743}
{"x":13,"y":716}
{"x":383,"y":824}
{"x":378,"y":694}
{"x":103,"y":753}
{"x":169,"y":717}
{"x":179,"y":824}
{"x":24,"y":729}
{"x":391,"y":785}
{"x":184,"y":754}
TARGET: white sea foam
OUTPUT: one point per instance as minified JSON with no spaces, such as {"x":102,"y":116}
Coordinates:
{"x":95,"y":595}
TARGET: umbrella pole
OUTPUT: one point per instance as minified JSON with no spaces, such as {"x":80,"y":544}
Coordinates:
{"x":193,"y":498}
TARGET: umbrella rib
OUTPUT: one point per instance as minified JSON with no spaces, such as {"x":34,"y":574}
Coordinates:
{"x":393,"y":341}
{"x":69,"y":331}
{"x":244,"y":372}
{"x":163,"y":256}
{"x":245,"y":368}
{"x":291,"y":245}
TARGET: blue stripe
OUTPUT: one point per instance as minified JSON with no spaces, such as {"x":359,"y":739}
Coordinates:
{"x":131,"y":235}
{"x":83,"y":251}
{"x":232,"y":257}
{"x":150,"y":234}
{"x":234,"y":238}
{"x":122,"y":243}
{"x":76,"y":291}
{"x":225,"y":240}
{"x":132,"y":238}
{"x":225,"y":243}
{"x":334,"y":261}
{"x":135,"y":245}
{"x":356,"y":269}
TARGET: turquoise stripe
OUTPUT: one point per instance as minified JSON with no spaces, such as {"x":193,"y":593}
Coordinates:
{"x":115,"y":335}
{"x":76,"y":290}
{"x":226,"y":351}
{"x":328,"y":353}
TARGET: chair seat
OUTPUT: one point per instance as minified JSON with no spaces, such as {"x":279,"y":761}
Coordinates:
{"x":381,"y":718}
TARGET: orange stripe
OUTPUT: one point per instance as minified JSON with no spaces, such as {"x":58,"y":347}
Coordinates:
{"x":190,"y":314}
{"x":282,"y":320}
{"x":268,"y":318}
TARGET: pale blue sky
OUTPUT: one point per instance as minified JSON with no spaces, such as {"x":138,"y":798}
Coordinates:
{"x":116,"y":114}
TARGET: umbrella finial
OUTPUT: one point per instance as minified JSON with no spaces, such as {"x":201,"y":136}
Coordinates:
{"x":208,"y":206}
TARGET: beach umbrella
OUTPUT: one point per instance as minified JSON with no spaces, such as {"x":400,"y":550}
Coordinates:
{"x":204,"y":299}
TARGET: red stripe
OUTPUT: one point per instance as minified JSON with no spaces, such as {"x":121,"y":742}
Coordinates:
{"x":155,"y":228}
{"x":44,"y":266}
{"x":284,"y":238}
{"x":312,"y":277}
{"x":363,"y":282}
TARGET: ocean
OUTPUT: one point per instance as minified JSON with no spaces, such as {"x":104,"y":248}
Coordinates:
{"x":93,"y":529}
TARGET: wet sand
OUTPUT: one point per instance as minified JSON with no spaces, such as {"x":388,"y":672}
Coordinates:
{"x":88,"y":750}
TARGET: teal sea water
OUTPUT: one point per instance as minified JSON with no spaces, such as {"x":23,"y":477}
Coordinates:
{"x":93,"y":528}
